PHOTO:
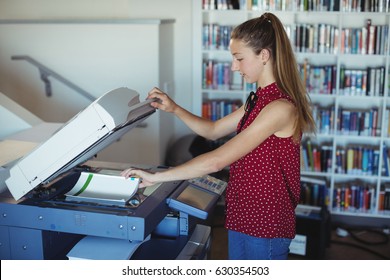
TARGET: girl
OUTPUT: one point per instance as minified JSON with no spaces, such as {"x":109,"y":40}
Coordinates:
{"x":264,"y":155}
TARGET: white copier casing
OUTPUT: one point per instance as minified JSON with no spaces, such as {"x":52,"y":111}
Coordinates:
{"x":94,"y":128}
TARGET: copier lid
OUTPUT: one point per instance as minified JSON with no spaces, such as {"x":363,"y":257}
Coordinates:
{"x":94,"y":128}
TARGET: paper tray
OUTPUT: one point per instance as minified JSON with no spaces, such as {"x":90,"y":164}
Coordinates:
{"x":101,"y":248}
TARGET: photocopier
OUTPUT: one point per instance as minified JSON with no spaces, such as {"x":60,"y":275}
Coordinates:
{"x":44,"y":217}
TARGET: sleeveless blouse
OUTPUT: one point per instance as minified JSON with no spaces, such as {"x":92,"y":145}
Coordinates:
{"x":264,"y":185}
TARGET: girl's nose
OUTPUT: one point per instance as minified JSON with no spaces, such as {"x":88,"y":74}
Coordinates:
{"x":234,"y":66}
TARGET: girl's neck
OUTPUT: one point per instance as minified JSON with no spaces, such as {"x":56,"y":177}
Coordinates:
{"x":263,"y":84}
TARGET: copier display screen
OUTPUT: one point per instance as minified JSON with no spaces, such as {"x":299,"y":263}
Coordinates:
{"x":196,"y":197}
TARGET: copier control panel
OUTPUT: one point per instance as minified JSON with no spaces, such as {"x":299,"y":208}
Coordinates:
{"x":209,"y":183}
{"x":198,"y":196}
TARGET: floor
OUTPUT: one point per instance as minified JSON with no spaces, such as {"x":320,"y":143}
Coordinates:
{"x":367,"y":244}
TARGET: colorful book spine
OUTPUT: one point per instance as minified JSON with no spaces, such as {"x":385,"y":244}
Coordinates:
{"x":362,"y":82}
{"x":369,"y":39}
{"x":314,"y":192}
{"x":310,"y":155}
{"x":215,"y":109}
{"x":318,"y":79}
{"x":354,"y":197}
{"x":216,"y":75}
{"x":216,"y":37}
{"x":316,"y":38}
{"x":387,"y":123}
{"x":357,"y":160}
{"x":315,"y":157}
{"x":386,"y":164}
{"x":359,"y":122}
{"x":304,"y":159}
{"x":384,"y":199}
{"x":324,"y":118}
{"x":302,"y":5}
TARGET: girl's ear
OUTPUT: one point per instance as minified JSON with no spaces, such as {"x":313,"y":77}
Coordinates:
{"x":265,"y":55}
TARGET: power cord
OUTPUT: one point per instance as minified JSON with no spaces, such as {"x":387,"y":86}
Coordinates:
{"x":384,"y":239}
{"x":361,"y":248}
{"x":372,"y":231}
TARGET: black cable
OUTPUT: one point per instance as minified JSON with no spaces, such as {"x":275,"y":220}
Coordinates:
{"x":361,"y":247}
{"x":351,"y":232}
{"x":354,"y":236}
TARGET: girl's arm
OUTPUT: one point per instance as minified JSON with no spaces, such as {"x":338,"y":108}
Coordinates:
{"x":276,"y":118}
{"x":201,"y":126}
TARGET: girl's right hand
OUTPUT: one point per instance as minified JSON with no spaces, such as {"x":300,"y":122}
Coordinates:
{"x":146,"y":177}
{"x":164,"y":102}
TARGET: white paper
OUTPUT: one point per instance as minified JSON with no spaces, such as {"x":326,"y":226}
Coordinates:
{"x":103,"y":188}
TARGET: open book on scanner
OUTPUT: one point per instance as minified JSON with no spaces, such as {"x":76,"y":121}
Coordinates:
{"x":103,"y":188}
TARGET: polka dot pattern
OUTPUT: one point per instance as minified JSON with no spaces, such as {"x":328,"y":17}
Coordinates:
{"x":264,"y":185}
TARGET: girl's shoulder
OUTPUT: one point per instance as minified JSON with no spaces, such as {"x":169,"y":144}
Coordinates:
{"x":272,"y":93}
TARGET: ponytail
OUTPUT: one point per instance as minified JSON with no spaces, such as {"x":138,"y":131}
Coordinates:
{"x":267,"y":32}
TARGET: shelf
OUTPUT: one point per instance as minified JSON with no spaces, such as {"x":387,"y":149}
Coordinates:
{"x":369,"y":100}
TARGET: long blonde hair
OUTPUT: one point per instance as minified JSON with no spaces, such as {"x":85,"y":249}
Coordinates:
{"x":267,"y":32}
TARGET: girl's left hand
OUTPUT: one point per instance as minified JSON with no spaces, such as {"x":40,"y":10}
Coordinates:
{"x":146,"y":177}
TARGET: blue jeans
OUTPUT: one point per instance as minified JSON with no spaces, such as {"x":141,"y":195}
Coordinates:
{"x":246,"y":247}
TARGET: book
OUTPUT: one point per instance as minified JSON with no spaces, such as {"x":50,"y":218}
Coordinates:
{"x":215,"y":109}
{"x":339,"y":161}
{"x":350,"y":161}
{"x":387,"y":123}
{"x":316,"y":159}
{"x":310,"y":155}
{"x":106,"y":187}
{"x":386,"y":203}
{"x":381,"y":201}
{"x":354,"y":197}
{"x":326,"y":158}
{"x":305,"y":159}
{"x":371,"y":39}
{"x":313,"y":191}
{"x":385,"y":161}
{"x":365,"y":162}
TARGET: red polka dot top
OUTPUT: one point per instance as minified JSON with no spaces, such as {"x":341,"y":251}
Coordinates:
{"x":264,"y":185}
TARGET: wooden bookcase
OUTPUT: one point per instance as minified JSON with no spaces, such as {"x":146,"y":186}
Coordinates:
{"x":338,"y":80}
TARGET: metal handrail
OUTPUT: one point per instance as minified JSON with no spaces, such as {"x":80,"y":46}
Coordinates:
{"x":46,"y":73}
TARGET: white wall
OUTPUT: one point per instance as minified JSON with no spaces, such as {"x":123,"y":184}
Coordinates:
{"x":14,"y":118}
{"x":180,"y":10}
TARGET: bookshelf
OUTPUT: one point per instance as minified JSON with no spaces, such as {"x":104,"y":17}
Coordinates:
{"x":348,"y":82}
